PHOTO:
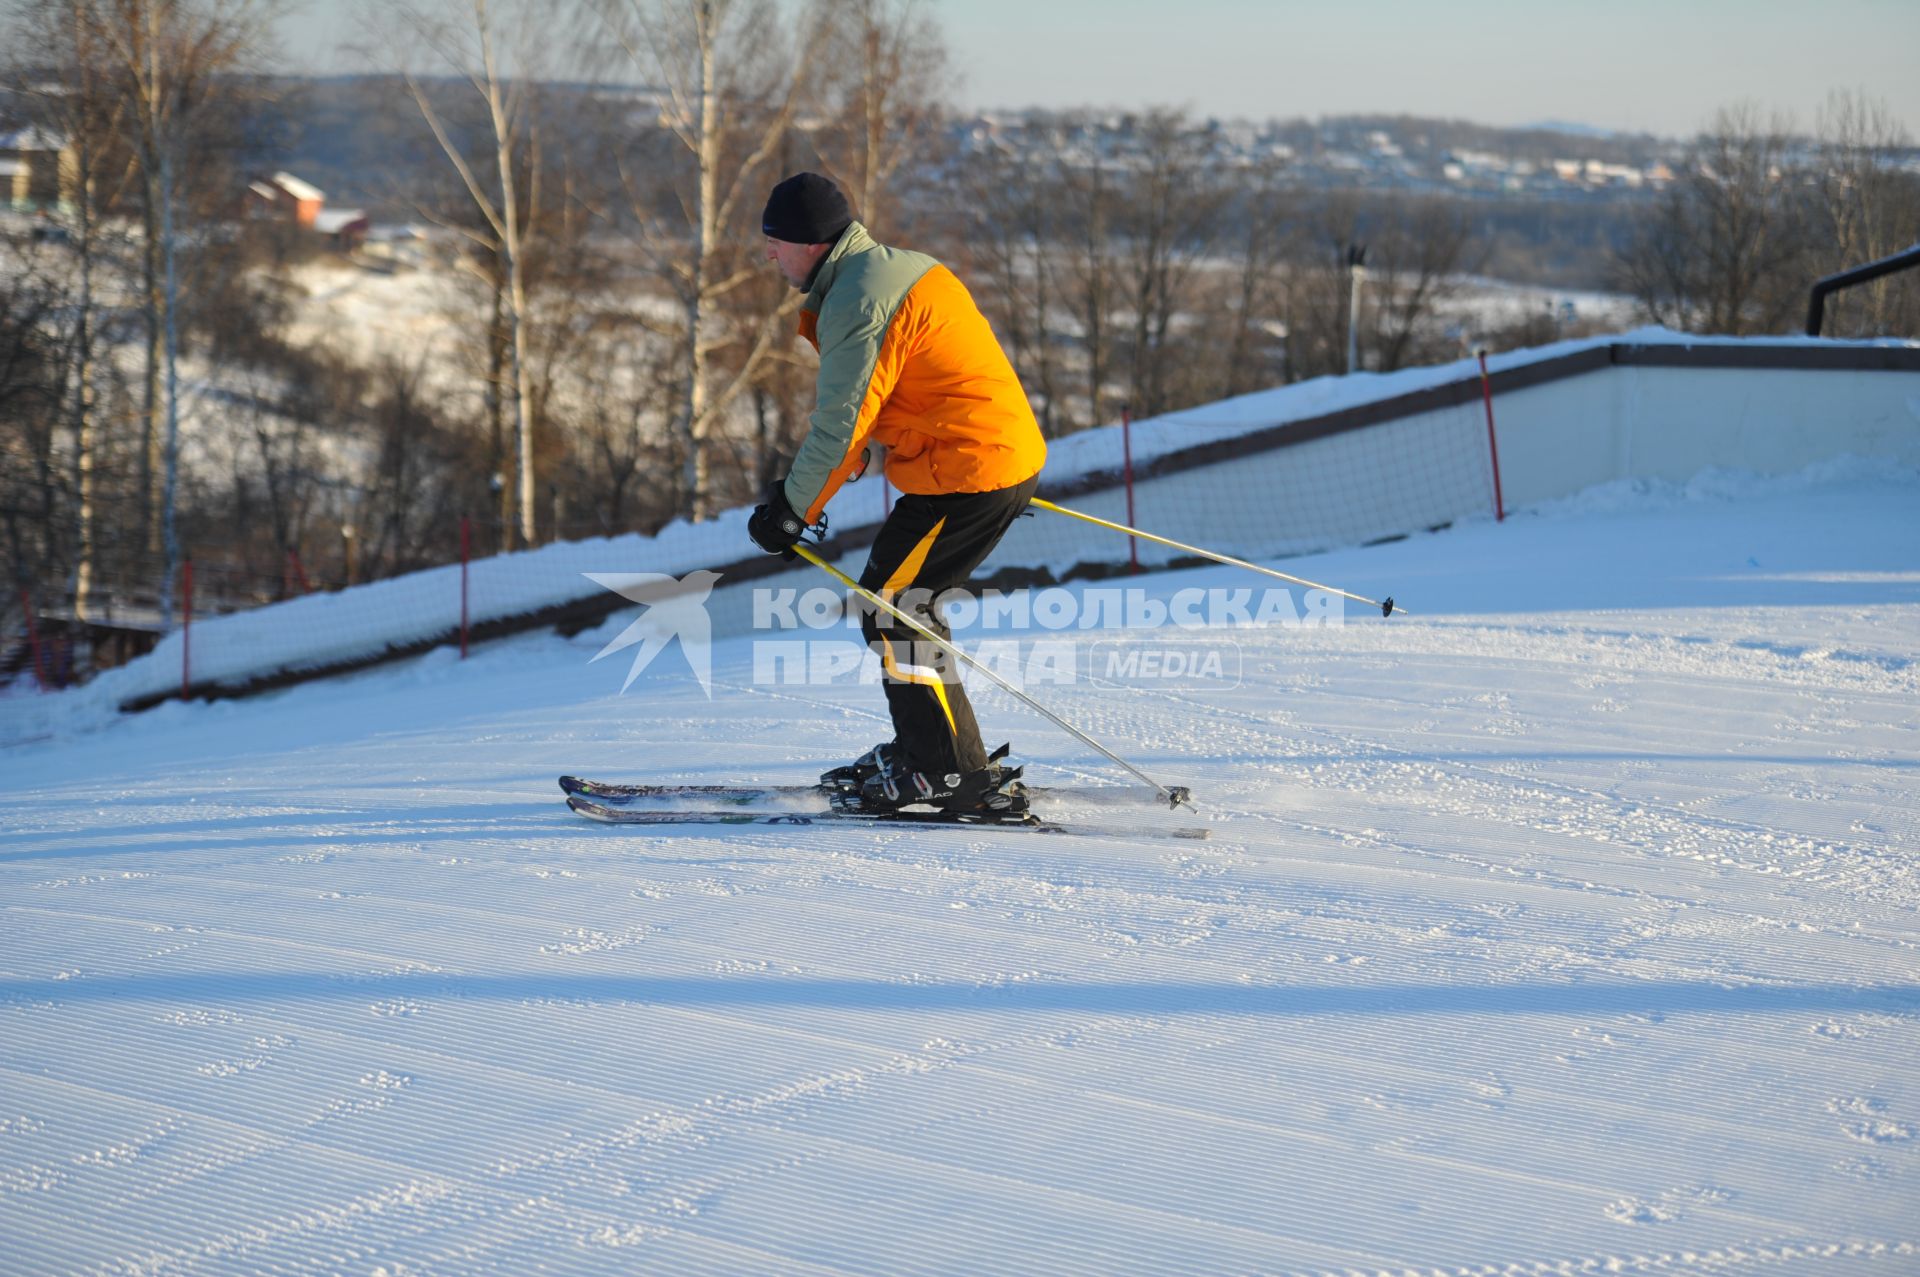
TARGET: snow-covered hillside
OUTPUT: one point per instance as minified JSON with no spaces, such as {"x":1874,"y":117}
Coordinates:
{"x":1569,"y":925}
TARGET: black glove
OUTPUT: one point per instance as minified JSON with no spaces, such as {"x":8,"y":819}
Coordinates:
{"x":774,"y":526}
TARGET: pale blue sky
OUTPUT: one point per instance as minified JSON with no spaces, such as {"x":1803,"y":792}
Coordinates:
{"x":1657,"y":65}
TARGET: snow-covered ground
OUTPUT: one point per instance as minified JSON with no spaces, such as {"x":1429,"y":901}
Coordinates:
{"x":370,"y":313}
{"x":1487,"y":304}
{"x":1565,"y":926}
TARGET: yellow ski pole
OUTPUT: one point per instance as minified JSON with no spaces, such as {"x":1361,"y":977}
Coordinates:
{"x":1172,"y":795}
{"x":1386,"y":606}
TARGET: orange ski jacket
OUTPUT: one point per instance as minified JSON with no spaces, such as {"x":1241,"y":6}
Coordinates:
{"x":907,"y":361}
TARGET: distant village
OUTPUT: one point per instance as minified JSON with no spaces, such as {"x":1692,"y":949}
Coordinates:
{"x":1484,"y":165}
{"x":1552,"y":163}
{"x":36,"y":165}
{"x":1407,"y":154}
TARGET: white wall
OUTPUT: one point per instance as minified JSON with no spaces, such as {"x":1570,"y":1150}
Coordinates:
{"x":1555,"y":439}
{"x":1678,"y":421}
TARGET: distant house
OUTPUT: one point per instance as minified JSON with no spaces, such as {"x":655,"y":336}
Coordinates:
{"x":37,"y":168}
{"x":346,"y":227}
{"x":263,"y":202}
{"x":284,"y":198}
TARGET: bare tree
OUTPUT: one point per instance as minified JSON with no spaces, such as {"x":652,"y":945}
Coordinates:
{"x":274,"y":478}
{"x":1009,"y":232}
{"x":29,"y":398}
{"x":1123,"y":261}
{"x":564,"y":278}
{"x":1870,"y":209}
{"x":169,"y":57}
{"x":1317,"y":292}
{"x":474,"y":42}
{"x":1171,"y":211}
{"x":1727,"y":248}
{"x":1256,"y":307}
{"x":1089,"y":193}
{"x":1418,"y":250}
{"x":76,"y":100}
{"x":881,"y":84}
{"x":730,"y":91}
{"x":397,"y":499}
{"x":619,"y":425}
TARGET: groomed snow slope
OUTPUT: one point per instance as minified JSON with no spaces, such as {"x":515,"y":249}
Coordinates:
{"x":1566,"y":926}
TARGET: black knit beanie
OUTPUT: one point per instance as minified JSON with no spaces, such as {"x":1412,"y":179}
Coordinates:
{"x":806,"y":209}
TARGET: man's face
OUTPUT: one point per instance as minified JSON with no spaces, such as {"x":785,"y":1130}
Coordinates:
{"x":796,"y":261}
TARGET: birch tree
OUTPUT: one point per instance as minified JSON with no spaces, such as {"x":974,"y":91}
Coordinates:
{"x":731,"y":77}
{"x":882,"y":84}
{"x":474,"y":41}
{"x":76,"y":101}
{"x":169,"y":57}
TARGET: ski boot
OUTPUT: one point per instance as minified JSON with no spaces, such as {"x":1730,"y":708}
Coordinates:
{"x":847,"y":778}
{"x":994,"y":792}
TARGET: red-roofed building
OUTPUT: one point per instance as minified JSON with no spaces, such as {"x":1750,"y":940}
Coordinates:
{"x":284,"y":198}
{"x":346,"y":227}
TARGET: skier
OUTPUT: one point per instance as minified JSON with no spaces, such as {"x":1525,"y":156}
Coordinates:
{"x":907,"y":363}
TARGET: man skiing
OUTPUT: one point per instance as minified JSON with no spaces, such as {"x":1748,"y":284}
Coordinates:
{"x":907,"y":363}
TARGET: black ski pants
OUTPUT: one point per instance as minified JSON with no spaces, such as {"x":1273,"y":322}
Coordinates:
{"x":929,"y":545}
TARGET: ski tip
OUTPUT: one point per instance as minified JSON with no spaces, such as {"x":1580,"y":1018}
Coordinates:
{"x":581,"y":807}
{"x":568,"y":784}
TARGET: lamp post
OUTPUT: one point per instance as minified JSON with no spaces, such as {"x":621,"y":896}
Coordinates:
{"x":1356,"y":274}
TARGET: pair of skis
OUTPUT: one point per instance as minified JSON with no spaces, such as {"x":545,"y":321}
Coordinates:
{"x":670,"y":804}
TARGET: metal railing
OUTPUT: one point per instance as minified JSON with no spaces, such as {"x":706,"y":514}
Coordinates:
{"x":1817,"y":300}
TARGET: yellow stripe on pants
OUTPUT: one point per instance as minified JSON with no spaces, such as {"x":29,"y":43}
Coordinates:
{"x":902,"y":576}
{"x":897,"y":580}
{"x":923,"y":675}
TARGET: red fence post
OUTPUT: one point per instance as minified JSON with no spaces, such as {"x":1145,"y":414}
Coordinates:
{"x":186,"y":628}
{"x":466,"y":553}
{"x":1126,"y":453}
{"x":1493,"y":445}
{"x":33,"y":642}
